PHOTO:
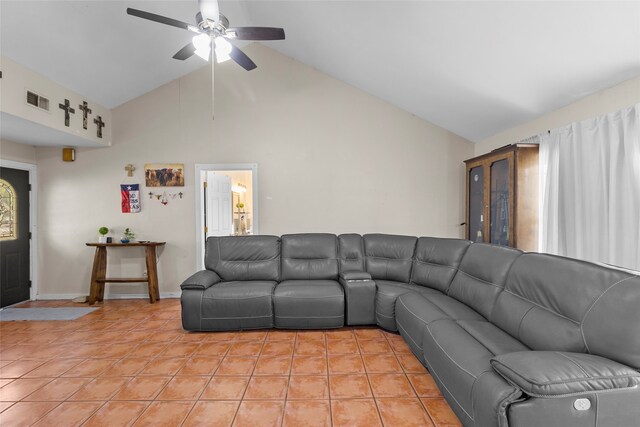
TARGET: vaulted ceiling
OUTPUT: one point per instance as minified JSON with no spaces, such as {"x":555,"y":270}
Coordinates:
{"x":475,"y":68}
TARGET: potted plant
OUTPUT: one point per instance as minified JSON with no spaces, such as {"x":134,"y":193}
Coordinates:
{"x":103,"y":231}
{"x":127,"y":235}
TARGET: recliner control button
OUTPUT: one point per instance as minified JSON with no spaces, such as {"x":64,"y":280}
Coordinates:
{"x":582,"y":404}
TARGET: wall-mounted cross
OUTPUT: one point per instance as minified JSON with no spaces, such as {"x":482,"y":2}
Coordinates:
{"x":98,"y":121}
{"x":129,"y":168}
{"x":84,"y":107}
{"x":67,"y":109}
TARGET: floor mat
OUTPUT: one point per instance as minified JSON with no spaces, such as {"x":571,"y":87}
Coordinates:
{"x":40,"y":313}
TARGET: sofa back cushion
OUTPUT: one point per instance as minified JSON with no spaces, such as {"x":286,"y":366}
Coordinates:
{"x":309,"y":256}
{"x":351,"y":252}
{"x":557,"y":303}
{"x":244,"y":257}
{"x":481,"y":276}
{"x":436,"y":261}
{"x":389,"y":257}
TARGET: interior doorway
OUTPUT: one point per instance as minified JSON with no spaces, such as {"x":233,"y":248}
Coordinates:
{"x":227,"y":204}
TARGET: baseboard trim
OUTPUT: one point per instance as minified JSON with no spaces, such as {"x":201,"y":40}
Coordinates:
{"x":107,"y":296}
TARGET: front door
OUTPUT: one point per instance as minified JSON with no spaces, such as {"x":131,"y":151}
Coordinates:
{"x":14,"y":236}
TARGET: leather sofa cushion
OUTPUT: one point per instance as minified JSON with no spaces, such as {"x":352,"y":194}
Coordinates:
{"x":237,"y":305}
{"x":389,"y":257}
{"x":453,"y":308}
{"x":386,"y":295}
{"x":493,"y":338}
{"x":351,"y":252}
{"x":482,"y":275}
{"x":244,"y":257}
{"x":436,"y":261}
{"x":303,"y":304}
{"x":557,"y":374}
{"x":556,"y":303}
{"x":309,"y":257}
{"x":413,"y":312}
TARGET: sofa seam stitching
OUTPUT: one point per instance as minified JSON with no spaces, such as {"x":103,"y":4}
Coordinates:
{"x":542,"y":307}
{"x":575,"y":363}
{"x":522,"y":320}
{"x":584,"y":317}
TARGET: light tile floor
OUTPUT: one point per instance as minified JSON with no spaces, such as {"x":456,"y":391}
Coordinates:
{"x":130,"y":363}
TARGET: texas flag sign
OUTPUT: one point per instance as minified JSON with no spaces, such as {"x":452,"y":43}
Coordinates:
{"x":130,"y":198}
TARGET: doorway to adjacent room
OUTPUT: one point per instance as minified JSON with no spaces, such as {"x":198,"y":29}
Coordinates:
{"x":227,"y":204}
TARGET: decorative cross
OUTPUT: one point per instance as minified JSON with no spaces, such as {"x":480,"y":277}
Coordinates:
{"x":98,"y":121}
{"x":67,"y":109}
{"x":84,"y":107}
{"x":150,"y":195}
{"x":129,"y":168}
{"x":180,"y":194}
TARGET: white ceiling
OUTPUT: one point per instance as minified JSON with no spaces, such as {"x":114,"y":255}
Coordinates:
{"x":474,"y":68}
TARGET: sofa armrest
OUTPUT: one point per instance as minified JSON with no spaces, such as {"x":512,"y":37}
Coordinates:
{"x":354,"y":275}
{"x":558,"y":374}
{"x":201,"y":280}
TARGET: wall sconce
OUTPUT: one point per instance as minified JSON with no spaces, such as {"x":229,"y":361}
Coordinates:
{"x":239,"y":188}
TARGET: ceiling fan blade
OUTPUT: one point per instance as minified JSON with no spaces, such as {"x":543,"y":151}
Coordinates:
{"x":242,"y":59}
{"x":161,"y":19}
{"x":210,"y":9}
{"x":255,"y":33}
{"x":186,"y":52}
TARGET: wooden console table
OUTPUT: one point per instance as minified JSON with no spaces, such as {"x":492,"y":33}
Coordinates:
{"x":98,"y":274}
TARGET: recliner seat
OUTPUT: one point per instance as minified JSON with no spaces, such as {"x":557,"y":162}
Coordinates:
{"x":511,"y":338}
{"x":309,"y":295}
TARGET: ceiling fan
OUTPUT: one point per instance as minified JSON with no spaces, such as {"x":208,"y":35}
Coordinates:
{"x":212,"y":29}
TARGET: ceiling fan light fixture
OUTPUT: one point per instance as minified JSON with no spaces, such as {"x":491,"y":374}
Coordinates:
{"x":223,"y":49}
{"x":202,"y":43}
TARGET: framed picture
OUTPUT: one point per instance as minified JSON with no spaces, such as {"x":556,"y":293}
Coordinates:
{"x":164,"y":174}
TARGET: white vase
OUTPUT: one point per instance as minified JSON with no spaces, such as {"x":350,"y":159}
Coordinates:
{"x":102,"y":239}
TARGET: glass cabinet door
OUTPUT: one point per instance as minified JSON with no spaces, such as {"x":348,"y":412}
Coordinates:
{"x":476,"y":204}
{"x":499,"y":203}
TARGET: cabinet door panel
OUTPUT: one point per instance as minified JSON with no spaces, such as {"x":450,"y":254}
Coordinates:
{"x":500,"y":221}
{"x":476,"y":203}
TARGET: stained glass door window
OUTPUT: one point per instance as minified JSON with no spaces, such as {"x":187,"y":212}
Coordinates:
{"x":8,"y":211}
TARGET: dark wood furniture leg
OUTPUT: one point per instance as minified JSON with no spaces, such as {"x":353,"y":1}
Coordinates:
{"x":152,"y":273}
{"x":98,"y":274}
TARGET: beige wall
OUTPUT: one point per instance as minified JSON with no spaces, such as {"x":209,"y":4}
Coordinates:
{"x":17,"y":152}
{"x":330,"y":158}
{"x":606,"y":101}
{"x":17,"y":79}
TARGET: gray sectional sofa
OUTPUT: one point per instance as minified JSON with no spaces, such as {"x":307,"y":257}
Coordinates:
{"x":511,"y":338}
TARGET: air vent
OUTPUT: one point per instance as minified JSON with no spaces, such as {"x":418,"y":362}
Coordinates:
{"x":37,"y":100}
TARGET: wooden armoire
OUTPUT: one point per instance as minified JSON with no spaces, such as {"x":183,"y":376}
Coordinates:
{"x":502,"y":197}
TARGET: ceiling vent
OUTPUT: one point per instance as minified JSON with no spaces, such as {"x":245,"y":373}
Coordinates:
{"x":37,"y":100}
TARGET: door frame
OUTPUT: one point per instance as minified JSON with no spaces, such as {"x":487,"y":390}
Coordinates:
{"x":199,"y":168}
{"x":33,"y":220}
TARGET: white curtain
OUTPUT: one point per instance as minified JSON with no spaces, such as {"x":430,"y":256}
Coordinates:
{"x":590,"y":189}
